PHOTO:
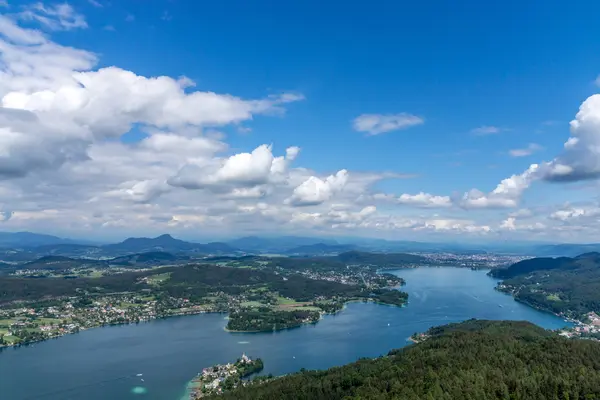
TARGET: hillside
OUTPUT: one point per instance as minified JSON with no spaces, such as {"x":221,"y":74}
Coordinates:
{"x":165,"y":243}
{"x":471,"y":360}
{"x":29,"y":239}
{"x":532,"y":265}
{"x":569,"y":286}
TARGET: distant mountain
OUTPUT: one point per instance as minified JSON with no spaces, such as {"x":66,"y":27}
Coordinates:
{"x":28,"y":239}
{"x":166,"y":243}
{"x":70,"y":250}
{"x":320,"y":249}
{"x":565,"y":250}
{"x":381,"y":259}
{"x":282,"y":244}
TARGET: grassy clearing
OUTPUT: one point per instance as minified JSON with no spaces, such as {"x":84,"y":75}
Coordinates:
{"x":282,"y":301}
{"x":553,"y":297}
{"x":10,"y":339}
{"x":286,"y":304}
{"x":252,"y":304}
{"x":47,"y":321}
{"x":305,"y":308}
{"x":156,"y":280}
{"x":260,"y":289}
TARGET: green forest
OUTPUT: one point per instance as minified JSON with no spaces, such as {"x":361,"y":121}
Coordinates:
{"x":569,"y":286}
{"x":471,"y":360}
{"x":263,"y":320}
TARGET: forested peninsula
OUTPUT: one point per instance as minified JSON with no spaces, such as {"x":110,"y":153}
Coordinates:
{"x":470,"y":360}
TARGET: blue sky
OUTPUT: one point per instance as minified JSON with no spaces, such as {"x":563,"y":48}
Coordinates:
{"x":492,"y":88}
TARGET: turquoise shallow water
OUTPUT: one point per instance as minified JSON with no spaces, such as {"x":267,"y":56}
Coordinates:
{"x":103,"y":363}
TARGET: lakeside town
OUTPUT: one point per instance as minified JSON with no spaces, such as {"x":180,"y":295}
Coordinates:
{"x":37,"y":322}
{"x":587,"y":328}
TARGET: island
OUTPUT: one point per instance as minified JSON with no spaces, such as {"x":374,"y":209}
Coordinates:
{"x":219,"y":379}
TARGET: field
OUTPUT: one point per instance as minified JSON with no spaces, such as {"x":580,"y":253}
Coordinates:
{"x":553,"y":297}
{"x":252,"y":304}
{"x":286,"y":304}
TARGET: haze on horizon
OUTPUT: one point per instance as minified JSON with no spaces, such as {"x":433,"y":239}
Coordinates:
{"x":126,"y":119}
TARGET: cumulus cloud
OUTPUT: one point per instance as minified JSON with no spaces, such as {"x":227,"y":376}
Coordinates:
{"x":580,"y":159}
{"x":425,"y":200}
{"x":506,"y":194}
{"x":420,"y":199}
{"x":110,"y":100}
{"x":314,"y":191}
{"x":456,"y":225}
{"x":510,"y":224}
{"x":526,"y":151}
{"x":244,"y":169}
{"x":375,"y":124}
{"x":572,"y":213}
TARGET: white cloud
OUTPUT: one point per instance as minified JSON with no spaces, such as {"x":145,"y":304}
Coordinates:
{"x":140,"y":192}
{"x":521,"y":213}
{"x":244,"y":169}
{"x":510,"y":224}
{"x":95,"y":3}
{"x":571,"y":213}
{"x":16,"y":34}
{"x":56,"y":17}
{"x":425,"y":200}
{"x":110,"y":100}
{"x":506,"y":194}
{"x":527,"y":151}
{"x":315,"y":191}
{"x":486,"y":130}
{"x":457,"y":225}
{"x":580,"y":159}
{"x":375,"y":124}
{"x":420,"y":199}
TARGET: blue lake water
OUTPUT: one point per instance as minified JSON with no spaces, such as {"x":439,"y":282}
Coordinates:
{"x":103,"y":363}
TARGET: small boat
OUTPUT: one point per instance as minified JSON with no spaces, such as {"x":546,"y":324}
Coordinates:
{"x":500,"y":305}
{"x":388,"y":324}
{"x":139,"y":374}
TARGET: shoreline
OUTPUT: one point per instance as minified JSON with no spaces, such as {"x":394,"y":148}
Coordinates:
{"x":183,"y":314}
{"x":538,"y":308}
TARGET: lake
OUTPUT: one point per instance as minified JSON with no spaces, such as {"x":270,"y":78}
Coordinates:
{"x":103,"y":363}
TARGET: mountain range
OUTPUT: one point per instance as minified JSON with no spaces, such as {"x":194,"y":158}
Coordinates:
{"x":23,"y":246}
